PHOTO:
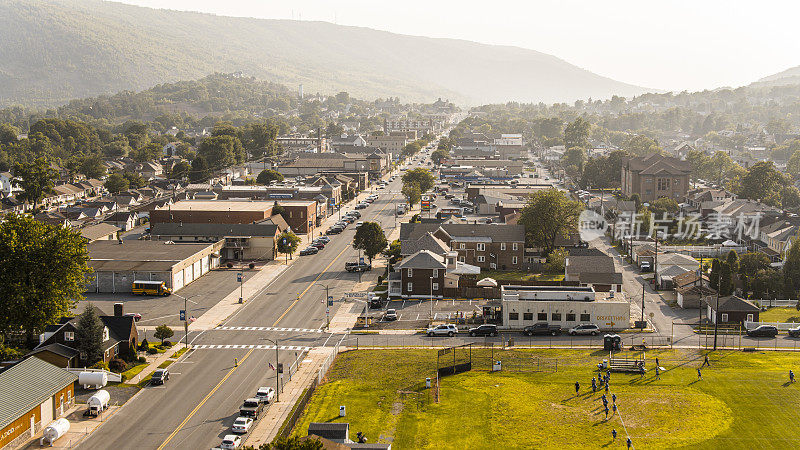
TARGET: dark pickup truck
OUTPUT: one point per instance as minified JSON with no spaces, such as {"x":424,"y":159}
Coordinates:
{"x":251,"y":407}
{"x":357,"y":267}
{"x":542,"y":328}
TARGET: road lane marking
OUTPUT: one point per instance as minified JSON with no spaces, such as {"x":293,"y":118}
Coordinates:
{"x":250,"y":347}
{"x":202,"y":402}
{"x":300,"y":296}
{"x":296,"y":330}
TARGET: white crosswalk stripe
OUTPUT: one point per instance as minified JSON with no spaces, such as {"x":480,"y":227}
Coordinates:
{"x":296,"y":330}
{"x":249,"y":347}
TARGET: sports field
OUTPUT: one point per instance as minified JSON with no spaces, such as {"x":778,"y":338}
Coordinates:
{"x":744,"y":400}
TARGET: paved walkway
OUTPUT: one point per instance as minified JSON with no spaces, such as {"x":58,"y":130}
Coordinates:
{"x":268,"y":427}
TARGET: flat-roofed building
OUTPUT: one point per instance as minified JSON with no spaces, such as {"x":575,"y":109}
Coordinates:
{"x":565,"y":306}
{"x":301,"y":215}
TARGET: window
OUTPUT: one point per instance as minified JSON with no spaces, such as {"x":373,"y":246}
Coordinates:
{"x":69,"y":336}
{"x":435,"y":273}
{"x":502,"y":246}
{"x":527,"y":316}
{"x":585,"y":318}
{"x":513,"y":316}
{"x":462,"y":246}
{"x":514,"y":246}
{"x":749,"y":317}
{"x":663,"y":184}
{"x":555,"y":317}
{"x":541,"y":316}
{"x":410,"y":287}
{"x":461,"y":259}
{"x":724,"y":317}
{"x":410,"y":272}
{"x":435,"y":286}
{"x":513,"y":260}
{"x":481,"y":247}
{"x":481,"y":259}
{"x":570,"y":317}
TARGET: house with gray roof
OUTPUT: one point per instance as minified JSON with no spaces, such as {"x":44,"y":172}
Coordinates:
{"x":426,"y":274}
{"x":593,"y":269}
{"x":488,"y":246}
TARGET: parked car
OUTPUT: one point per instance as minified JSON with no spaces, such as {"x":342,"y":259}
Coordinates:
{"x":584,"y":329}
{"x":309,"y":251}
{"x":794,"y":332}
{"x":541,"y":328}
{"x":355,"y":266}
{"x":251,"y":407}
{"x":484,"y":330}
{"x":136,"y":316}
{"x":443,"y":330}
{"x":361,"y":206}
{"x":318,"y":245}
{"x":645,"y":266}
{"x":231,"y":441}
{"x":356,"y":214}
{"x":769,"y":331}
{"x":323,"y":239}
{"x":358,"y":225}
{"x":242,"y":425}
{"x":160,"y":376}
{"x":265,"y":394}
{"x":390,"y":315}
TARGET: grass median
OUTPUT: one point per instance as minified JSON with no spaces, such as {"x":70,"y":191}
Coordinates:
{"x":744,"y":400}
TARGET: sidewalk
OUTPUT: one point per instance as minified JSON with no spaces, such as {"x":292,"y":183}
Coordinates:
{"x":268,"y":427}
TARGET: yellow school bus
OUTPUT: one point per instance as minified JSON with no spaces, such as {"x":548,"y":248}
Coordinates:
{"x":151,"y":288}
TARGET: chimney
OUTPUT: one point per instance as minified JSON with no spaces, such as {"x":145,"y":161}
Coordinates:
{"x":118,"y":311}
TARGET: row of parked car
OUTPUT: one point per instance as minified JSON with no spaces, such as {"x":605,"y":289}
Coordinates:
{"x":316,"y":245}
{"x":248,"y":414}
{"x":537,"y":329}
{"x":771,"y":331}
{"x":367,"y":201}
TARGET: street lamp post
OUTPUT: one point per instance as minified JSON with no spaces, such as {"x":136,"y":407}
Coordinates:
{"x":185,"y":318}
{"x":327,"y":307}
{"x":431,"y":314}
{"x":277,"y":375}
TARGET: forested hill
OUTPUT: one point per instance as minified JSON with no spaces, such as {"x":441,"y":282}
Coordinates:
{"x":56,"y":50}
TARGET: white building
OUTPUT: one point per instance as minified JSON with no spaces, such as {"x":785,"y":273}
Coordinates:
{"x":566,"y":306}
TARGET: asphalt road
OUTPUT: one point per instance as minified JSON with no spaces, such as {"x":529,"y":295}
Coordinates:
{"x":196,"y":408}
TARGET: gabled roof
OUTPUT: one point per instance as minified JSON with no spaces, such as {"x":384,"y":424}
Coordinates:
{"x":672,"y":271}
{"x":97,"y":231}
{"x":578,"y":264}
{"x":423,"y":259}
{"x":426,"y":242}
{"x":28,"y":384}
{"x":689,"y":278}
{"x":497,"y":232}
{"x":692,"y":289}
{"x":58,"y":349}
{"x":731,"y":304}
{"x":676,"y":259}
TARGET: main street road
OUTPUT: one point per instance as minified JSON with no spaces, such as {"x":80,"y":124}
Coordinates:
{"x":196,"y":408}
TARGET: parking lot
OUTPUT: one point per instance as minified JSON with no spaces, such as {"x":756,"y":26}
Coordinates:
{"x":203,"y":293}
{"x":415,"y":313}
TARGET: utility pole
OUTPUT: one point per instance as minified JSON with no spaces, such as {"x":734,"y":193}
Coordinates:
{"x":277,"y":375}
{"x":240,"y":276}
{"x":716,"y":321}
{"x":642,"y":327}
{"x":185,"y":325}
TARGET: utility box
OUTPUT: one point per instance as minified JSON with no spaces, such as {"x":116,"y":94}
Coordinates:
{"x":612,"y":342}
{"x":342,"y":412}
{"x":497,"y":366}
{"x":428,"y":383}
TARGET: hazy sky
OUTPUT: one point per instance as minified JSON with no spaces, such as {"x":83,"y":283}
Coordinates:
{"x":665,"y":44}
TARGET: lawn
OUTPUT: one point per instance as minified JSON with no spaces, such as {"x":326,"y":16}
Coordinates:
{"x":520,"y":276}
{"x":743,"y":401}
{"x":133,"y":371}
{"x":780,"y":315}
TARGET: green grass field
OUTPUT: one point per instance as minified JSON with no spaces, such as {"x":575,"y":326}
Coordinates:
{"x":780,"y":315}
{"x":744,"y":401}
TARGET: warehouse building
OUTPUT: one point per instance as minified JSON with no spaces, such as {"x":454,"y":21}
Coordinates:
{"x":301,"y":215}
{"x":566,"y":306}
{"x":33,"y":393}
{"x":243,"y":241}
{"x":117,"y":265}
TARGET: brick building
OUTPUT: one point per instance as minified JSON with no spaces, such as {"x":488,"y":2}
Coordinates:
{"x":656,"y":176}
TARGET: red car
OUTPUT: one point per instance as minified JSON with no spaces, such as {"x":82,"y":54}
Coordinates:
{"x":136,"y":316}
{"x":318,"y":244}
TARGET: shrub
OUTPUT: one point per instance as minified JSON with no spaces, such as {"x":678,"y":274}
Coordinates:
{"x":151,"y":351}
{"x":380,"y":279}
{"x":251,"y":266}
{"x":141,"y":360}
{"x":167,"y":344}
{"x":229,"y":265}
{"x":144,"y":345}
{"x":100,"y":365}
{"x":117,"y":365}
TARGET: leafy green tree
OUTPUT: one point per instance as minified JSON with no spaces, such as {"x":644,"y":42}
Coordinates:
{"x":412,"y":193}
{"x":288,"y":242}
{"x":556,"y":261}
{"x":267,"y":176}
{"x":116,"y":183}
{"x":8,"y":134}
{"x":36,"y":179}
{"x":163,"y":332}
{"x":664,"y":205}
{"x":370,"y":239}
{"x":221,"y":151}
{"x":92,"y":167}
{"x":548,"y":215}
{"x":135,"y":181}
{"x":439,"y":155}
{"x":292,"y":443}
{"x":576,"y":134}
{"x":714,"y":276}
{"x":200,"y":170}
{"x":752,"y":262}
{"x":392,"y":252}
{"x":421,"y":177}
{"x":725,"y":279}
{"x":791,"y":272}
{"x":641,"y":145}
{"x":89,"y":336}
{"x":180,"y":170}
{"x":733,"y":261}
{"x":43,"y":271}
{"x":410,"y":149}
{"x":793,"y":165}
{"x":790,"y":198}
{"x":278,"y":210}
{"x":762,"y":182}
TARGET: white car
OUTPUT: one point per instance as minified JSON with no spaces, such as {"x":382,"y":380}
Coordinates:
{"x":358,"y":224}
{"x":443,"y":330}
{"x":584,"y":329}
{"x":241,"y":425}
{"x":265,"y":394}
{"x":231,"y":441}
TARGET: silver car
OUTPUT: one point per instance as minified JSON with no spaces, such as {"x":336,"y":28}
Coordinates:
{"x":584,"y":329}
{"x":443,"y":330}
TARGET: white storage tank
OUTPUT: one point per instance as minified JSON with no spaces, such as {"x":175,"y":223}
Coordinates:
{"x":93,"y":379}
{"x":98,"y":402}
{"x":55,"y":430}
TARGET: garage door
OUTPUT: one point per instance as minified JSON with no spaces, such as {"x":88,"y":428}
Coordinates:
{"x":47,"y":411}
{"x":188,"y":275}
{"x":177,"y":281}
{"x":197,"y":266}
